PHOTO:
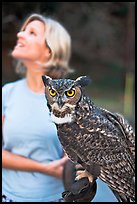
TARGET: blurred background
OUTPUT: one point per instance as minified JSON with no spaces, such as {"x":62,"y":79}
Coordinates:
{"x":103,"y":46}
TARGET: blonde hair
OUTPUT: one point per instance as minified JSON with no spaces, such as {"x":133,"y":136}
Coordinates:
{"x":58,"y":40}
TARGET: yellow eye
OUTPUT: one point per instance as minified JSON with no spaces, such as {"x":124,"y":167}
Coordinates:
{"x":52,"y":92}
{"x":70,"y":93}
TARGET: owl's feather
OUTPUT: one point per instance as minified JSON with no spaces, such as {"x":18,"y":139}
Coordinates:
{"x":101,"y":141}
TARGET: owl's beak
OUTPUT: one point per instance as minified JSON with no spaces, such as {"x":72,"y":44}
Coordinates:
{"x":60,"y":102}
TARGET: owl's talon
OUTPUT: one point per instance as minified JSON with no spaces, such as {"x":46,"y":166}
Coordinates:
{"x":84,"y":173}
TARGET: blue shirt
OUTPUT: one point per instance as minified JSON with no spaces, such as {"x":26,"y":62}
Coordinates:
{"x":29,"y":131}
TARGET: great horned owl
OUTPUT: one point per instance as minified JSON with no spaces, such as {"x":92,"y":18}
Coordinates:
{"x":101,"y":141}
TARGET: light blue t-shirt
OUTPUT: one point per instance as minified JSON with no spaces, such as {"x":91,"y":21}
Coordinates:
{"x":29,"y":131}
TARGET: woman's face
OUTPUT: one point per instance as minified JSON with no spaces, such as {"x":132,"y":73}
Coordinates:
{"x":31,"y":44}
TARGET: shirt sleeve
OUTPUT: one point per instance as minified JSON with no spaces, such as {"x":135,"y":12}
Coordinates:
{"x":6,"y":89}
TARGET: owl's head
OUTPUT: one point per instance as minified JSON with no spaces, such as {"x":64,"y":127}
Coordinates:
{"x":63,"y":96}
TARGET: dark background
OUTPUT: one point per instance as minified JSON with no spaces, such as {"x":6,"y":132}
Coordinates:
{"x":103,"y":46}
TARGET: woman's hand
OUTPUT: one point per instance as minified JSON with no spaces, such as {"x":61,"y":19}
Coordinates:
{"x":55,"y":168}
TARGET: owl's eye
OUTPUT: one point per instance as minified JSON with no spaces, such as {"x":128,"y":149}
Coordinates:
{"x":52,"y":92}
{"x":70,"y":93}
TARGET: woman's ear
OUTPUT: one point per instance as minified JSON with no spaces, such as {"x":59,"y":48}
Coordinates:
{"x":48,"y":52}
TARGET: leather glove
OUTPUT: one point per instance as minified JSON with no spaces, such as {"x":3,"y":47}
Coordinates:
{"x":81,"y":190}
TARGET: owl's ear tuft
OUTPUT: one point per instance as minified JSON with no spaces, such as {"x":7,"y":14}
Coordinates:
{"x":83,"y":81}
{"x":46,"y":80}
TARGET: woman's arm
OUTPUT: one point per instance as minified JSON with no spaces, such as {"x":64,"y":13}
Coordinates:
{"x":13,"y":161}
{"x":17,"y":162}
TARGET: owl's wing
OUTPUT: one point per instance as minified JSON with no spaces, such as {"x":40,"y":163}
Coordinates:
{"x":105,"y":139}
{"x":126,"y":129}
{"x":127,"y":136}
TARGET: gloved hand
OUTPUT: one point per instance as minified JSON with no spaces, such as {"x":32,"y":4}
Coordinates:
{"x":77,"y":189}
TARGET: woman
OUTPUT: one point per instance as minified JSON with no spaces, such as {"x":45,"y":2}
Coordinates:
{"x":32,"y":157}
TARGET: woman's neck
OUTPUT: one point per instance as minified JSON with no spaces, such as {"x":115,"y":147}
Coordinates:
{"x":34,"y":81}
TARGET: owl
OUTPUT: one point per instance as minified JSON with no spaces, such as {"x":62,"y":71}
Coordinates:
{"x":101,"y":141}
